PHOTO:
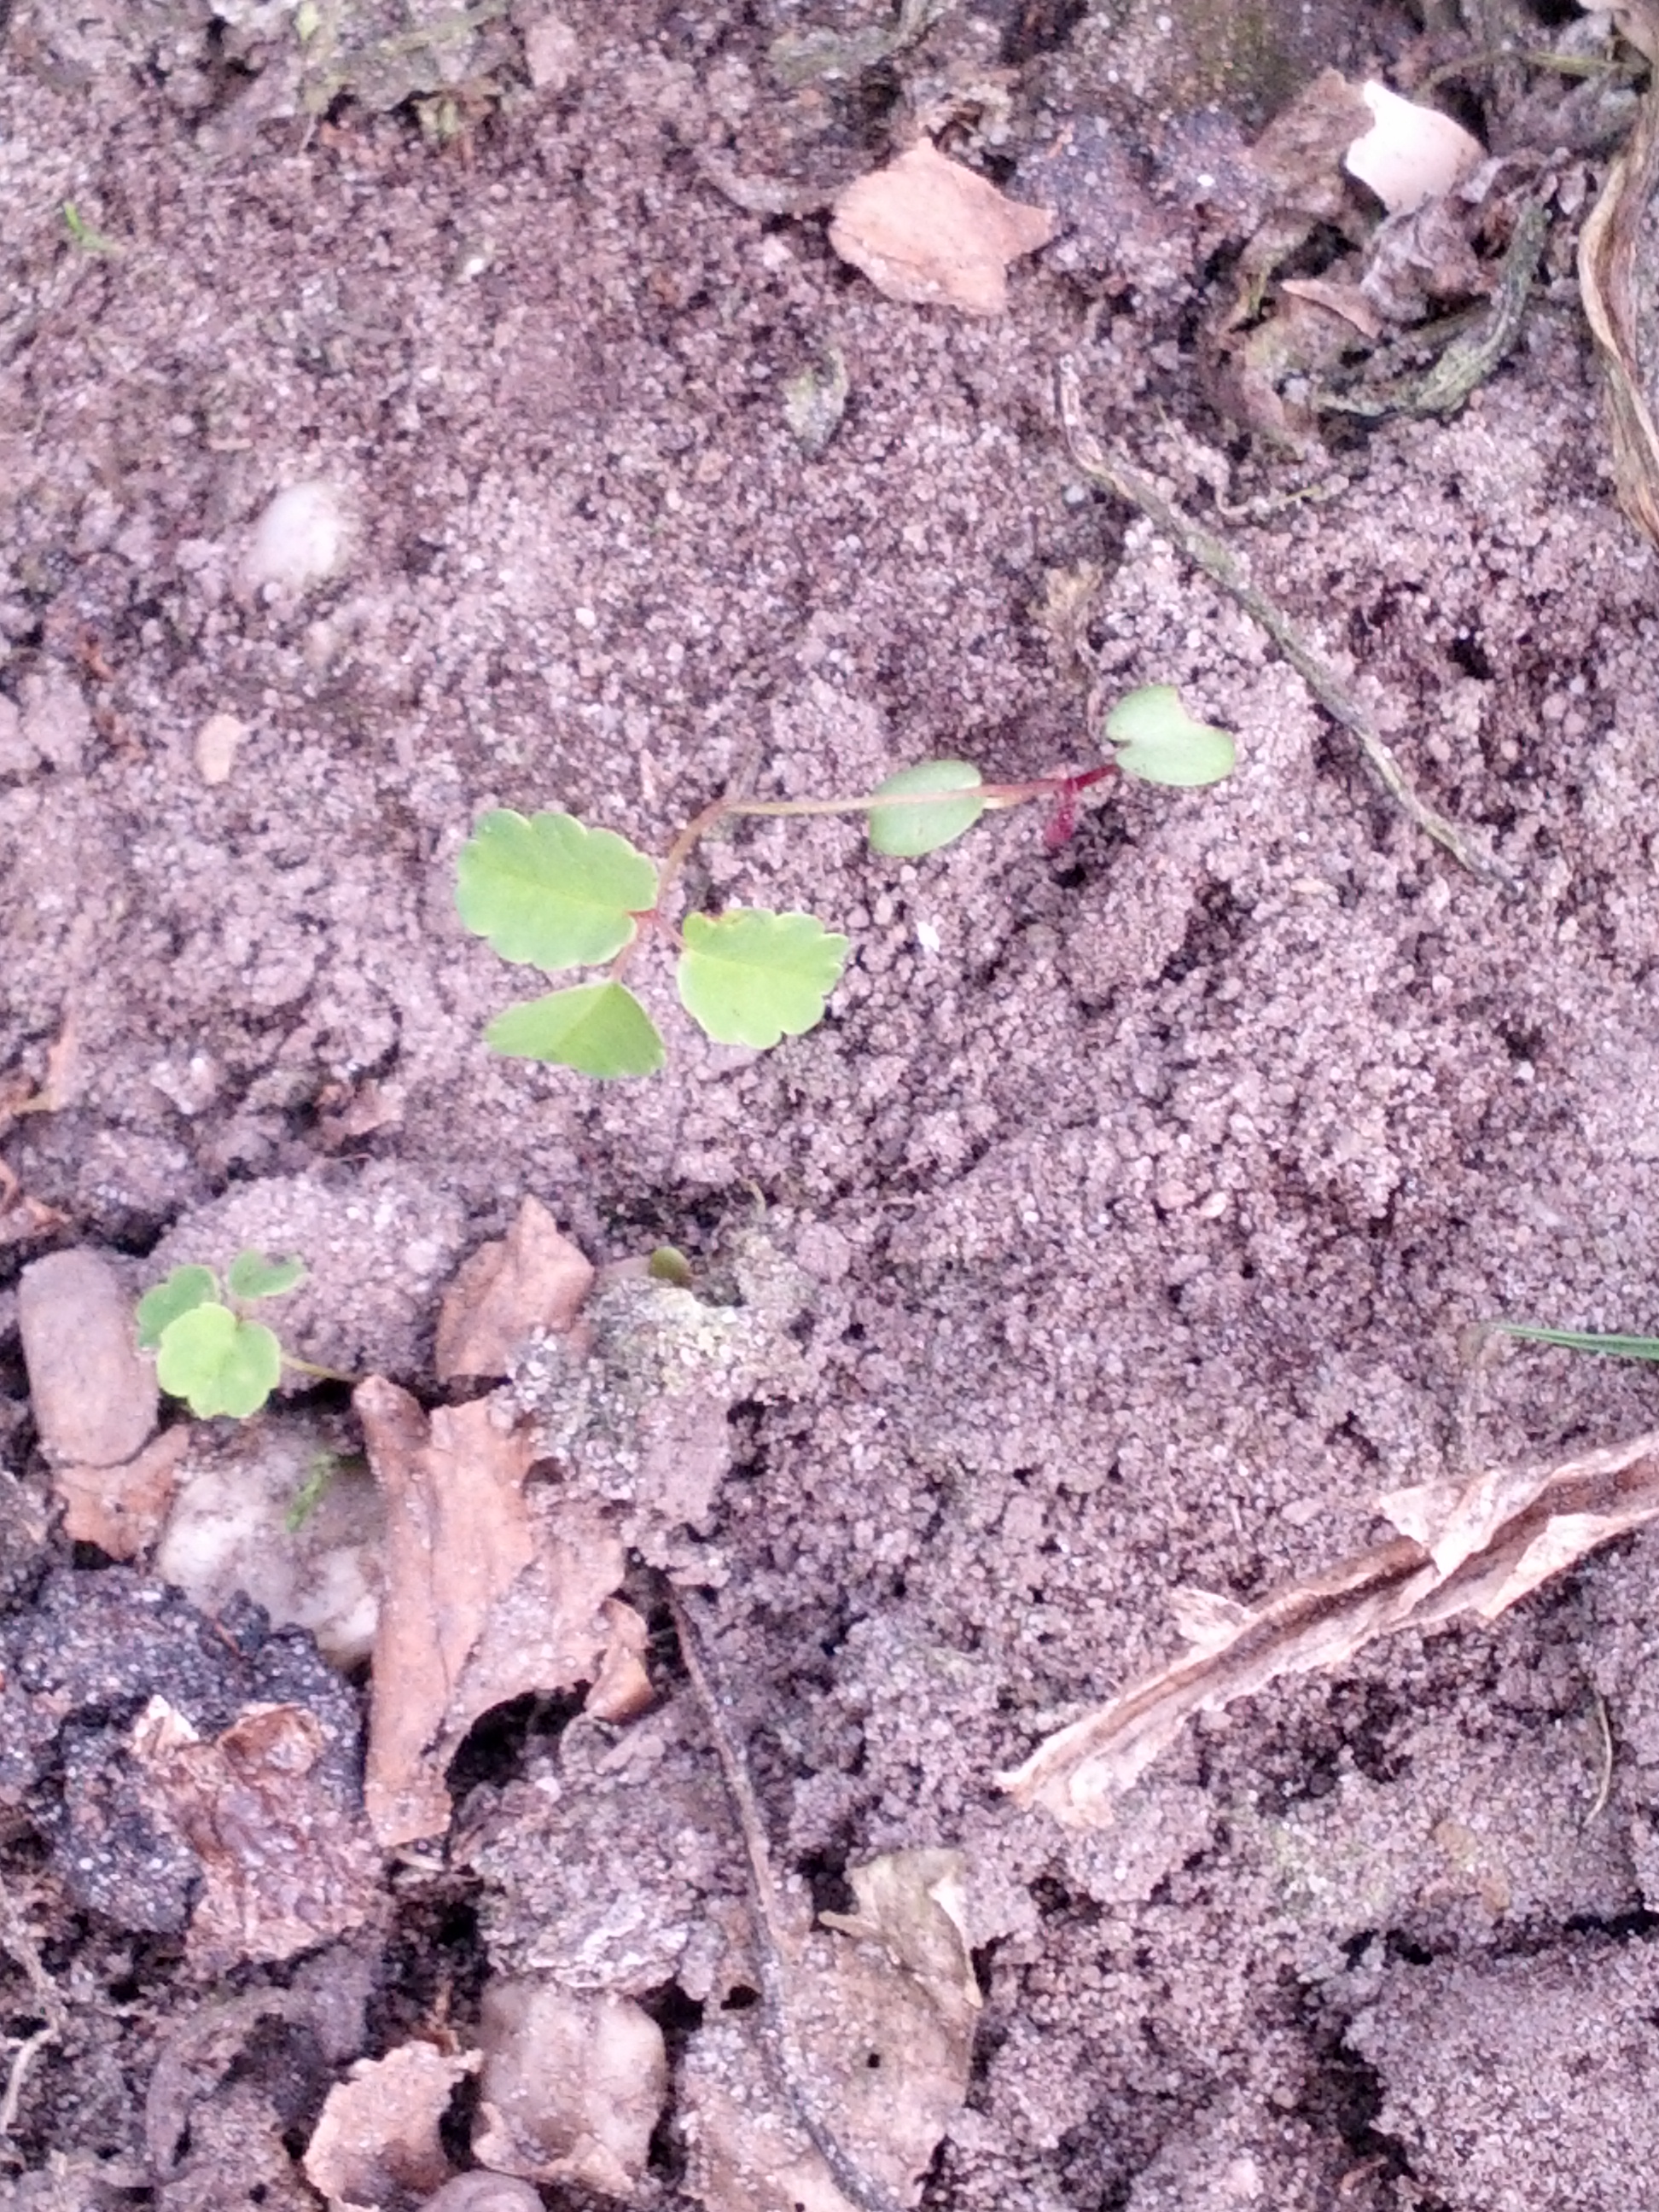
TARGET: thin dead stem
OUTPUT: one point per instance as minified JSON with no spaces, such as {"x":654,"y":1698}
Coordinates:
{"x":772,"y":1945}
{"x":1218,"y":561}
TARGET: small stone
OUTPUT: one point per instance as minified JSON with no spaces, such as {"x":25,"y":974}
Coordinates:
{"x":552,"y":54}
{"x":16,"y":758}
{"x":302,"y":538}
{"x":57,"y":727}
{"x":216,"y":744}
{"x":94,"y":1398}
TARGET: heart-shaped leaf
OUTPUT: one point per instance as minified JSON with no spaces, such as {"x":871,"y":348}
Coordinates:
{"x":917,"y":827}
{"x":184,"y":1288}
{"x":749,"y":977}
{"x":217,"y":1364}
{"x":253,"y":1276}
{"x":599,"y":1028}
{"x":544,"y":890}
{"x":1157,"y":740}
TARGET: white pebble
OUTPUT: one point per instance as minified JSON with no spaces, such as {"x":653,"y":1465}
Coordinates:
{"x":301,"y":541}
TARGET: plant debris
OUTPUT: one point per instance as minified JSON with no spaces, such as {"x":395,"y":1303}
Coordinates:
{"x":932,"y":234}
{"x":1479,"y":1549}
{"x":377,"y":2143}
{"x":490,"y":1592}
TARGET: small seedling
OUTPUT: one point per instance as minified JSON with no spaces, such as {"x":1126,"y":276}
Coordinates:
{"x":548,"y":893}
{"x":207,"y":1350}
{"x":91,"y":242}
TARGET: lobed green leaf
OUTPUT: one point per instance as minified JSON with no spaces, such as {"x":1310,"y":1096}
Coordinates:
{"x":598,"y":1029}
{"x":906,"y":832}
{"x":544,"y":890}
{"x":218,"y":1363}
{"x":184,"y":1289}
{"x":253,"y":1276}
{"x":1157,"y":740}
{"x":750,"y":977}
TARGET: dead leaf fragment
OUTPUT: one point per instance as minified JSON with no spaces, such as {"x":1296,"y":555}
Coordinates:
{"x":1410,"y":154}
{"x":533,"y":1280}
{"x":622,"y":1688}
{"x":1613,"y":282}
{"x":572,"y":2085}
{"x":121,"y":1509}
{"x":287,"y":1864}
{"x":930,"y":233}
{"x":376,"y":2142}
{"x":884,"y":2011}
{"x":1477,"y":1548}
{"x":490,"y":1594}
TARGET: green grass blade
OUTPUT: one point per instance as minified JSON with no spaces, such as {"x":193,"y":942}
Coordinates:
{"x":184,"y":1288}
{"x":1157,"y":740}
{"x":1572,"y":1339}
{"x":545,"y":891}
{"x":750,"y":977}
{"x":906,"y":832}
{"x":598,"y":1029}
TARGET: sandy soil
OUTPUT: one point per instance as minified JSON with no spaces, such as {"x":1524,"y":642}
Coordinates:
{"x":1143,"y":1189}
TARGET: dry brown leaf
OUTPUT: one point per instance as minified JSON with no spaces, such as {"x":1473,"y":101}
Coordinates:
{"x":490,"y":1593}
{"x":287,"y":1861}
{"x":121,"y":1509}
{"x":1477,"y":1548}
{"x":932,"y":234}
{"x":884,"y":2011}
{"x":1615,"y":284}
{"x":532,"y":1280}
{"x":623,"y":1689}
{"x":376,"y":2142}
{"x":572,"y":2085}
{"x":1346,"y":301}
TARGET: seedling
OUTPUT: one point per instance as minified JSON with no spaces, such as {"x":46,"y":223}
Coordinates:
{"x":548,"y":893}
{"x":207,"y":1350}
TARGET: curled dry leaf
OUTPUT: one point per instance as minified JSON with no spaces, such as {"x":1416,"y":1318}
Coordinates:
{"x":490,"y":1593}
{"x":930,"y":233}
{"x":572,"y":2085}
{"x":1615,"y":279}
{"x":1474,"y":1549}
{"x":1410,"y":154}
{"x":286,"y":1860}
{"x":376,"y":2142}
{"x":533,"y":1280}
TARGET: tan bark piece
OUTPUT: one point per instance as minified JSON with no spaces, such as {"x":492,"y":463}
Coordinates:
{"x":932,"y":234}
{"x":572,"y":2085}
{"x":490,"y":1594}
{"x":376,"y":2142}
{"x":622,"y":1689}
{"x":94,"y":1398}
{"x":1478,"y":1547}
{"x":532,"y":1281}
{"x":121,"y":1509}
{"x":286,"y":1860}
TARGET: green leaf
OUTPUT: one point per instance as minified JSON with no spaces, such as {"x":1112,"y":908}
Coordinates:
{"x":599,"y":1028}
{"x":1568,"y":1340}
{"x":1157,"y":740}
{"x":749,"y":977}
{"x":545,"y":890}
{"x":253,"y":1276}
{"x":909,"y":830}
{"x":184,"y":1288}
{"x":217,"y":1364}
